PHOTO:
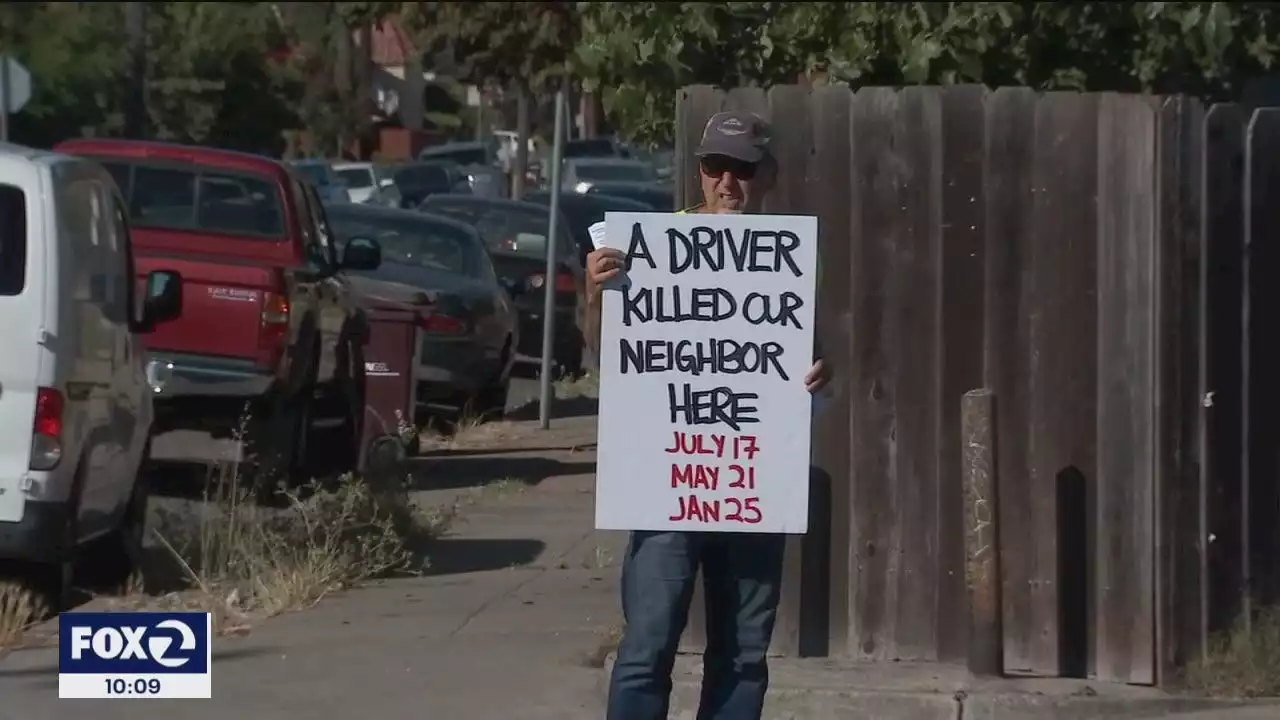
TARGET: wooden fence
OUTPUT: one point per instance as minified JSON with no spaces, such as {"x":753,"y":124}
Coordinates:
{"x":1107,"y":266}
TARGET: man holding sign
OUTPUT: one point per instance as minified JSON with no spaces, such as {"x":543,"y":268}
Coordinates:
{"x":717,"y":488}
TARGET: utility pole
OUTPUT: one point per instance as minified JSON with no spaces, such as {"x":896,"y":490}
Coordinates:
{"x":521,"y":164}
{"x":135,"y":17}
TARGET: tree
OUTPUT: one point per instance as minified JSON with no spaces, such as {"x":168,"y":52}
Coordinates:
{"x":522,"y":47}
{"x":77,"y":66}
{"x":211,"y":78}
{"x":641,"y":53}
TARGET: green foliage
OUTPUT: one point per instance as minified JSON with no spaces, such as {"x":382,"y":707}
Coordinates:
{"x":499,"y":43}
{"x":640,"y":53}
{"x":76,"y":61}
{"x":210,"y":77}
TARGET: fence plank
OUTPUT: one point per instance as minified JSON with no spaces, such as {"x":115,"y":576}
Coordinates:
{"x":1262,"y":257}
{"x":1010,"y":151}
{"x":874,"y":540}
{"x":694,"y":106}
{"x":1221,"y":386}
{"x":835,"y":202}
{"x":914,"y":336}
{"x":1063,"y":386}
{"x":802,"y":613}
{"x":755,"y":100}
{"x":1124,"y":615}
{"x":1180,"y":533}
{"x":963,"y":279}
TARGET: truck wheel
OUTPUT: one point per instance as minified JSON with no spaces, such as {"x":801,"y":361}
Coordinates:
{"x":276,"y":449}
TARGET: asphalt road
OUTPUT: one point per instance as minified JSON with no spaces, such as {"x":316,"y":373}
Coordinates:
{"x":199,"y":447}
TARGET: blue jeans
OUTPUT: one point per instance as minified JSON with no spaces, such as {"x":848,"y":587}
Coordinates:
{"x":741,"y":575}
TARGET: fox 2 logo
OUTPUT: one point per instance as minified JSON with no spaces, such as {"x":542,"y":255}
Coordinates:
{"x":148,"y":643}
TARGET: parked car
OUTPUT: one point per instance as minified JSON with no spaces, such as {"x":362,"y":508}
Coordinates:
{"x":267,"y":322}
{"x":463,"y":153}
{"x":75,"y":416}
{"x":469,"y":323}
{"x":661,"y":196}
{"x":416,"y":181}
{"x":515,"y":234}
{"x":598,"y":147}
{"x":583,"y":211}
{"x":662,"y":159}
{"x":321,"y":174}
{"x":362,"y":179}
{"x":486,"y":181}
{"x":580,"y":174}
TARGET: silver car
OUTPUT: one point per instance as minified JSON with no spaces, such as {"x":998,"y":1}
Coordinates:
{"x":581,"y":173}
{"x":321,"y":174}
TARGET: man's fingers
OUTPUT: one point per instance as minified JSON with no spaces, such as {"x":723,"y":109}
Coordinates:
{"x":607,"y":275}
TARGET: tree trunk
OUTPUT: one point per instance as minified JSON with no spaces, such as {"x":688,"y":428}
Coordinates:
{"x":590,"y":110}
{"x":343,"y":81}
{"x":135,"y":124}
{"x":412,"y":110}
{"x":518,"y":168}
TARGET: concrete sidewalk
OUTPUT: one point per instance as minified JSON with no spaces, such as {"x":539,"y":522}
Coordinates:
{"x":513,"y":621}
{"x":508,"y":623}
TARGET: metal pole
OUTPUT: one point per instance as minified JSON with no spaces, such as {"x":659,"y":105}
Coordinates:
{"x":549,"y":284}
{"x":4,"y":100}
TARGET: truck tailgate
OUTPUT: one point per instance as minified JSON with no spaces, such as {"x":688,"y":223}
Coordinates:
{"x":222,"y":304}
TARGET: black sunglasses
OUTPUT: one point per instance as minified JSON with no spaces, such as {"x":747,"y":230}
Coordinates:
{"x":717,"y":165}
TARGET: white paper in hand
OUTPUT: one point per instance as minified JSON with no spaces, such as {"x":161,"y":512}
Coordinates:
{"x":598,"y":241}
{"x":597,"y":235}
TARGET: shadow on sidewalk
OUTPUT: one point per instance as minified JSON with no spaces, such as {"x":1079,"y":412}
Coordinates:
{"x":453,"y":556}
{"x":452,"y":472}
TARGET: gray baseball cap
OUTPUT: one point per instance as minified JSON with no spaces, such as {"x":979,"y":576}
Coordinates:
{"x":738,"y":134}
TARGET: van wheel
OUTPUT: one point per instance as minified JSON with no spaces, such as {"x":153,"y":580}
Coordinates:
{"x":110,"y":561}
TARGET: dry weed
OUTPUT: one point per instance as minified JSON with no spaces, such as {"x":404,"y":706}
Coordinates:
{"x":244,"y":558}
{"x":468,"y":432}
{"x":587,"y":385}
{"x":20,"y":608}
{"x":1244,"y":662}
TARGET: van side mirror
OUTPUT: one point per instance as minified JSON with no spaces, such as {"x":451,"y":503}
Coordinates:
{"x":361,"y":254}
{"x":162,"y":301}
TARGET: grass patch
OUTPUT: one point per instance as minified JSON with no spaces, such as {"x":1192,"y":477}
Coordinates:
{"x":20,"y":609}
{"x":241,"y":558}
{"x":1244,"y":662}
{"x":466,"y":432}
{"x":586,"y":385}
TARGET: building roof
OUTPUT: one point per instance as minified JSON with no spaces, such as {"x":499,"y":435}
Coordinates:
{"x":391,"y":44}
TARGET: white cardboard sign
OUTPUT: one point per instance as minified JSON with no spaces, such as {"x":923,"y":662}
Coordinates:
{"x":704,"y":418}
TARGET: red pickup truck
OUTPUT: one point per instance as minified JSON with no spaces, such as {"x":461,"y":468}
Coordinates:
{"x":268,"y":323}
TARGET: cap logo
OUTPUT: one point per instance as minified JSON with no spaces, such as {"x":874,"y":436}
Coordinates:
{"x":732,"y":126}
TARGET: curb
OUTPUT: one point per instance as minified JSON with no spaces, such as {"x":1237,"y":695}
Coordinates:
{"x":785,"y":703}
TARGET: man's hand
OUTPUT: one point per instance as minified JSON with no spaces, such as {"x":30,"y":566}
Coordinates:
{"x":817,"y":377}
{"x":602,"y":266}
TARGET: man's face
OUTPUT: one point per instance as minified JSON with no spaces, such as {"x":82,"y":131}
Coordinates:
{"x":730,"y":185}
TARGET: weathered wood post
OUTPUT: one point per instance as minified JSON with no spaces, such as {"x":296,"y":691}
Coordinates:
{"x":981,"y":514}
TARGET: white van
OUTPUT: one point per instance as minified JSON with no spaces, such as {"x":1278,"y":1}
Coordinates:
{"x":75,"y":407}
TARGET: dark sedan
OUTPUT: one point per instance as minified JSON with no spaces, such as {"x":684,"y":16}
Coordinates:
{"x":583,"y":211}
{"x":469,"y":322}
{"x":417,"y":181}
{"x":515,"y":234}
{"x":661,"y":197}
